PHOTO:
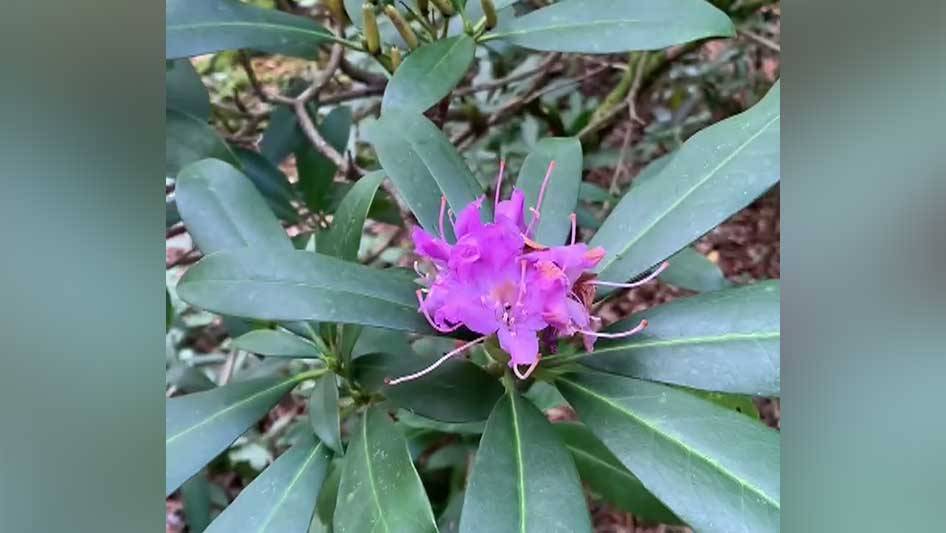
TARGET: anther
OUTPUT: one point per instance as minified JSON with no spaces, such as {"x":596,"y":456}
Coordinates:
{"x":574,"y":219}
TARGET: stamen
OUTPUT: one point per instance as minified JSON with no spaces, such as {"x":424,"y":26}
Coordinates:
{"x":535,"y":218}
{"x":499,"y":182}
{"x":522,"y":283}
{"x":443,"y":207}
{"x":437,"y":363}
{"x":663,"y":266}
{"x":640,"y":327}
{"x":574,"y":218}
{"x":545,"y":183}
{"x":515,"y":370}
{"x":418,"y":271}
{"x":423,"y":309}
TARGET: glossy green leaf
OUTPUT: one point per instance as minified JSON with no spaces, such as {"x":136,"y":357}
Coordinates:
{"x":458,"y":391}
{"x":323,"y":412}
{"x":736,"y":402}
{"x":380,"y":489}
{"x":343,"y":238}
{"x":168,"y":310}
{"x":715,"y":173}
{"x":283,"y":497}
{"x":184,"y":91}
{"x":325,"y":505}
{"x":316,"y":171}
{"x":189,"y":139}
{"x":201,"y":425}
{"x":690,"y":269}
{"x":716,"y":469}
{"x":561,"y":193}
{"x":523,"y":478}
{"x":195,"y":28}
{"x":276,"y":343}
{"x":283,"y":135}
{"x":724,"y":341}
{"x":606,"y":26}
{"x":188,"y":379}
{"x":195,"y":493}
{"x":298,"y":285}
{"x":412,"y":420}
{"x":222,"y":209}
{"x":605,"y":474}
{"x":428,"y":74}
{"x":270,"y":182}
{"x":423,"y":165}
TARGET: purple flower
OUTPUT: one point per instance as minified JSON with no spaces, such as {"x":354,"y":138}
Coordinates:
{"x":495,"y":280}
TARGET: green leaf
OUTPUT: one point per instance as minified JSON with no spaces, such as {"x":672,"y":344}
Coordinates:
{"x":690,"y":269}
{"x":736,"y":402}
{"x":315,"y":170}
{"x":428,"y":74}
{"x":715,"y":173}
{"x":195,"y":492}
{"x":523,"y":479}
{"x":222,"y":209}
{"x":606,"y":26}
{"x":343,"y":238}
{"x":184,"y":91}
{"x":423,"y":165}
{"x":458,"y":391}
{"x":605,"y":474}
{"x":168,"y":310}
{"x":196,"y":28}
{"x":323,"y":412}
{"x":189,"y":139}
{"x":724,"y":341}
{"x":199,"y":426}
{"x":380,"y":489}
{"x":718,"y":470}
{"x":325,"y":505}
{"x":419,"y":422}
{"x":283,"y":497}
{"x":298,"y":285}
{"x":276,"y":343}
{"x":270,"y":182}
{"x":283,"y":135}
{"x":561,"y":193}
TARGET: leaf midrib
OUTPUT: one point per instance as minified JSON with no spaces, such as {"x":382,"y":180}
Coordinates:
{"x":398,"y":303}
{"x":702,"y":181}
{"x":255,"y":25}
{"x":670,"y":438}
{"x":520,"y":467}
{"x":556,"y":27}
{"x":229,"y":408}
{"x":288,"y":489}
{"x":371,"y":481}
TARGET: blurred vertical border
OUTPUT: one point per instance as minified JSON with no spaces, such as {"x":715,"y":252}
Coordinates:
{"x":863,"y":266}
{"x":81,"y":279}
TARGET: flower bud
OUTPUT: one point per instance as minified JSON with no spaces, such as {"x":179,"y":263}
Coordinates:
{"x":402,"y":26}
{"x":337,"y":9}
{"x":489,"y":10}
{"x":395,"y":58}
{"x":372,"y":36}
{"x":445,"y":7}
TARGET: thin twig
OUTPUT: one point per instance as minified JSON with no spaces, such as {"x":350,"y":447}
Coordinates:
{"x":768,"y":43}
{"x":319,"y":142}
{"x":358,"y":74}
{"x":251,"y":75}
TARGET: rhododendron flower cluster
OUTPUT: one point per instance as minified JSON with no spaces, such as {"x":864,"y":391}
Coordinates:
{"x":495,"y":280}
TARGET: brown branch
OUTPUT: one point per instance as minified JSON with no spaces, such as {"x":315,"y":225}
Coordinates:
{"x":357,"y":74}
{"x":319,"y":142}
{"x":768,"y":43}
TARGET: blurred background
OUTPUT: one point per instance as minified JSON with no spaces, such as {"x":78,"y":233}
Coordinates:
{"x":81,"y":387}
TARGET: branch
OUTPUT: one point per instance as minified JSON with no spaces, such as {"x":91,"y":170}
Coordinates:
{"x":319,"y":142}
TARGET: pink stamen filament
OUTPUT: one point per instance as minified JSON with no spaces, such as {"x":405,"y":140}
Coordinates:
{"x":522,"y":283}
{"x":528,"y":372}
{"x":640,"y":327}
{"x":443,"y":208}
{"x":538,"y":203}
{"x":574,"y":218}
{"x":423,"y":309}
{"x":499,"y":182}
{"x":663,"y":266}
{"x":434,"y":366}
